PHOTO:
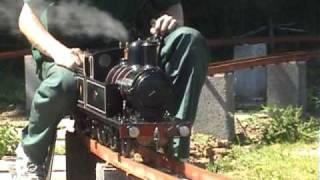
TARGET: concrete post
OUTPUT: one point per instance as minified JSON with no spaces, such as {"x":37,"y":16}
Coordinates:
{"x":216,"y":107}
{"x":286,"y":84}
{"x":250,"y":84}
{"x":108,"y":172}
{"x":32,"y":81}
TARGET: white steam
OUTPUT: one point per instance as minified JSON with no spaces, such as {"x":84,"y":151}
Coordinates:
{"x":70,"y":18}
{"x":9,"y":12}
{"x":74,"y":18}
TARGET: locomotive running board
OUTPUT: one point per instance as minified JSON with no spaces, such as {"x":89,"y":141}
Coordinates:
{"x":142,"y":171}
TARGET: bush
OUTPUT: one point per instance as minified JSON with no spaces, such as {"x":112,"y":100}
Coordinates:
{"x":313,"y":100}
{"x":8,"y":139}
{"x":288,"y":125}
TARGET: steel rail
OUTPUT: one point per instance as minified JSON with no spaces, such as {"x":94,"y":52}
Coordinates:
{"x":220,"y":42}
{"x":14,"y":54}
{"x":223,"y":42}
{"x":233,"y":65}
{"x":225,"y":66}
{"x":130,"y":167}
{"x":142,"y":171}
{"x":186,"y":169}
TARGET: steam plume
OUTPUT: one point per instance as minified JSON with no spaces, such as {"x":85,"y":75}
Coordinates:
{"x":74,"y":18}
{"x":9,"y":15}
{"x":70,"y":18}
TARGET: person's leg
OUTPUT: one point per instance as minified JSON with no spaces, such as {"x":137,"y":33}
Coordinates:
{"x":53,"y":99}
{"x":185,"y":57}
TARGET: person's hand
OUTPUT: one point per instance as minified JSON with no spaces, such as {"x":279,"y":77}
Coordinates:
{"x":70,"y":58}
{"x":163,"y":25}
{"x":80,"y":54}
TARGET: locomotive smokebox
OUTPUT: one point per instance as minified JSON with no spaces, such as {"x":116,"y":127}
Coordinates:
{"x":144,"y":86}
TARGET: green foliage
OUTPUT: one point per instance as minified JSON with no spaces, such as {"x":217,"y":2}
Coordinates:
{"x":282,"y":145}
{"x":228,"y":163}
{"x":288,"y":125}
{"x":252,"y":129}
{"x":313,"y":100}
{"x":8,"y":139}
{"x":278,"y":161}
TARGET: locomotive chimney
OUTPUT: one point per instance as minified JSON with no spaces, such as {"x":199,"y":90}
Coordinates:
{"x":150,"y":52}
{"x":135,"y":53}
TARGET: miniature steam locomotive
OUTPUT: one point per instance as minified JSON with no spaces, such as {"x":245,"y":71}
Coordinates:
{"x":124,"y":98}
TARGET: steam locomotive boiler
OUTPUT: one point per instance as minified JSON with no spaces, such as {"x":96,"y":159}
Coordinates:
{"x":124,"y":98}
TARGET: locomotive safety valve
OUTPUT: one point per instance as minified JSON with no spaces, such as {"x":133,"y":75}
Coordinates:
{"x":134,"y":132}
{"x":184,"y":131}
{"x":126,"y":51}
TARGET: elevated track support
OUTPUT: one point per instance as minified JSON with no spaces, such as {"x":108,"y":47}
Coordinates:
{"x":158,"y":167}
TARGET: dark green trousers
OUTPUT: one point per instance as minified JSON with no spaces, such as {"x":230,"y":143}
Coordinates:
{"x":53,"y":99}
{"x":184,"y":58}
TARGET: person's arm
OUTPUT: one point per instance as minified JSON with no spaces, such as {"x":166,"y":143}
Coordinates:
{"x":39,"y":37}
{"x":169,"y":20}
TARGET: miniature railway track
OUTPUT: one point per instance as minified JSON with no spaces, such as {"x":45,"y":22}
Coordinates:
{"x":14,"y":54}
{"x":227,"y":65}
{"x":137,"y":170}
{"x":233,"y":65}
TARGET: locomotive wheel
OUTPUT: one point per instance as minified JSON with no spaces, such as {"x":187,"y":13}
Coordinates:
{"x":114,"y":145}
{"x":126,"y":145}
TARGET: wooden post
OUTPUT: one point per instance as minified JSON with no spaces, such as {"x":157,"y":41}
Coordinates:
{"x":80,"y":163}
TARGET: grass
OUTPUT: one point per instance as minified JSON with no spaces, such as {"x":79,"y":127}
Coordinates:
{"x":278,"y":144}
{"x":277,"y":161}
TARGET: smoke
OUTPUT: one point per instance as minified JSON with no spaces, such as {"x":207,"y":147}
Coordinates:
{"x":74,"y":18}
{"x":9,"y":12}
{"x":70,"y":18}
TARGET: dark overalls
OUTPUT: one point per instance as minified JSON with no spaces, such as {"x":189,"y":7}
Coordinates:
{"x":184,"y":58}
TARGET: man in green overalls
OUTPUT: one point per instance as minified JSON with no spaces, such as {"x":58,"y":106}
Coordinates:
{"x":184,"y":58}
